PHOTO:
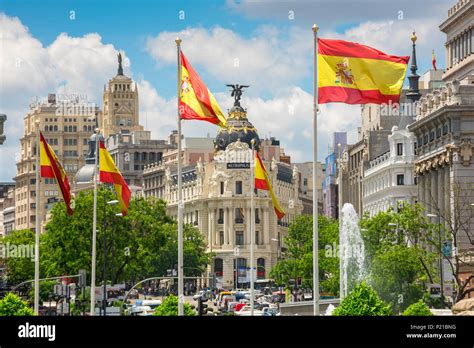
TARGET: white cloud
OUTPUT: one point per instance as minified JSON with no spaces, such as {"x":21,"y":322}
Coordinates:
{"x":269,"y":60}
{"x":69,"y":65}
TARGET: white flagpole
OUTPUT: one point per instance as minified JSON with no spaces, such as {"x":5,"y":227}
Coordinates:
{"x":252,"y":228}
{"x":37,"y":219}
{"x":94,"y":224}
{"x":180,"y":195}
{"x":315,"y":191}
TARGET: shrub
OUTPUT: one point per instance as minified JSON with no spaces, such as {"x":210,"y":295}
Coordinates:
{"x":362,"y":301}
{"x":418,"y":309}
{"x":12,"y":305}
{"x":169,"y":307}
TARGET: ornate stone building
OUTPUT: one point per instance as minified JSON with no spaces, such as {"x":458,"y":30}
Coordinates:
{"x":217,"y":201}
{"x":389,"y":180}
{"x":444,"y":129}
{"x":66,"y":125}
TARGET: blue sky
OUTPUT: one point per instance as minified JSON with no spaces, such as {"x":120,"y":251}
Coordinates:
{"x":271,"y":40}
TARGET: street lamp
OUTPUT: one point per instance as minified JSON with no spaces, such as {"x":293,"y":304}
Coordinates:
{"x":441,"y":275}
{"x":104,"y":300}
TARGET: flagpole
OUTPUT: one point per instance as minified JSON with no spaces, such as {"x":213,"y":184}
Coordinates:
{"x":252,"y":228}
{"x":315,"y":191}
{"x":180,"y":194}
{"x":37,"y":219}
{"x":94,"y":224}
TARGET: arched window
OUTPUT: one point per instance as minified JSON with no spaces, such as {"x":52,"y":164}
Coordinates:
{"x":55,"y":128}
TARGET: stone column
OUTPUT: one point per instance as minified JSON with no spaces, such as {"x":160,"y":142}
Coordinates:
{"x":421,"y":190}
{"x":434,"y":191}
{"x":428,"y":192}
{"x":441,"y":190}
{"x":266,"y":226}
{"x":226,"y":226}
{"x":231,"y":225}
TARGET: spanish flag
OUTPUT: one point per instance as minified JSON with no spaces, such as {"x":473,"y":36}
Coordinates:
{"x":262,"y":182}
{"x":50,"y":167}
{"x":196,"y":101}
{"x":357,"y":74}
{"x":110,"y":174}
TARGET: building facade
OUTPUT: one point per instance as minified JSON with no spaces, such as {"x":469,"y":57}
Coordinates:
{"x":132,"y":151}
{"x":7,"y":204}
{"x":444,"y":130}
{"x":66,"y":126}
{"x":217,"y":201}
{"x":389,"y":180}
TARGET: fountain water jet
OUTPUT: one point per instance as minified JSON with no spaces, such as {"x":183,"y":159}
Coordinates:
{"x":351,"y":251}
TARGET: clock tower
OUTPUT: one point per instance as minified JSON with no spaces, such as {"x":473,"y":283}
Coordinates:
{"x":120,"y":104}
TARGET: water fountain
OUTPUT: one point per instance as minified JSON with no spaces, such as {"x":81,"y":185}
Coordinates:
{"x":351,"y":251}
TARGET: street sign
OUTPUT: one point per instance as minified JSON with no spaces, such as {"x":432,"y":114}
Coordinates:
{"x":238,"y":165}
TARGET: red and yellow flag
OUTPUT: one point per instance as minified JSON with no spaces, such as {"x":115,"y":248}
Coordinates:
{"x":196,"y":101}
{"x":262,"y":182}
{"x":110,"y":174}
{"x":50,"y":167}
{"x":357,"y":74}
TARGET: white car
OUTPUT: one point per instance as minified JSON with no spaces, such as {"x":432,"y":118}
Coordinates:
{"x":245,"y":312}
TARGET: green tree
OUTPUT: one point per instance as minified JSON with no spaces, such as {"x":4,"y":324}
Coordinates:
{"x":19,"y":264}
{"x":12,"y":305}
{"x":298,"y":258}
{"x":419,"y":309}
{"x":398,"y":275}
{"x":362,"y":301}
{"x":169,"y":307}
{"x":139,"y":245}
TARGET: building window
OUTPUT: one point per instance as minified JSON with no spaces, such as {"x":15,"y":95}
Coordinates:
{"x":260,"y":268}
{"x":220,"y":220}
{"x":239,"y":238}
{"x":400,"y":179}
{"x":221,"y":237}
{"x":257,"y":238}
{"x":305,"y":181}
{"x":257,"y":217}
{"x":239,"y":215}
{"x":432,"y":135}
{"x":218,"y":267}
{"x":238,"y":187}
{"x":399,"y":149}
{"x":222,"y":187}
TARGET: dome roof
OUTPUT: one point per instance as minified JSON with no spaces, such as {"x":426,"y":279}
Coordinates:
{"x":85,"y":174}
{"x":238,"y":128}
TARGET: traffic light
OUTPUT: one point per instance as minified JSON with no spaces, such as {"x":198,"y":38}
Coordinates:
{"x":202,"y":306}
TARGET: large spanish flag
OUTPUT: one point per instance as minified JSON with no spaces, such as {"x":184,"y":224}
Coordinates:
{"x":50,"y":167}
{"x":262,"y":182}
{"x":196,"y":101}
{"x":357,"y":74}
{"x":110,"y":174}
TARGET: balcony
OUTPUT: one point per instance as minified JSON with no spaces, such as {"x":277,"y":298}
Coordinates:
{"x":195,"y":223}
{"x":257,"y":220}
{"x":220,"y":221}
{"x":239,"y":220}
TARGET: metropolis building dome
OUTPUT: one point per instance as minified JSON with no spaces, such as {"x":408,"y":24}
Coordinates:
{"x":85,"y":174}
{"x":238,"y":128}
